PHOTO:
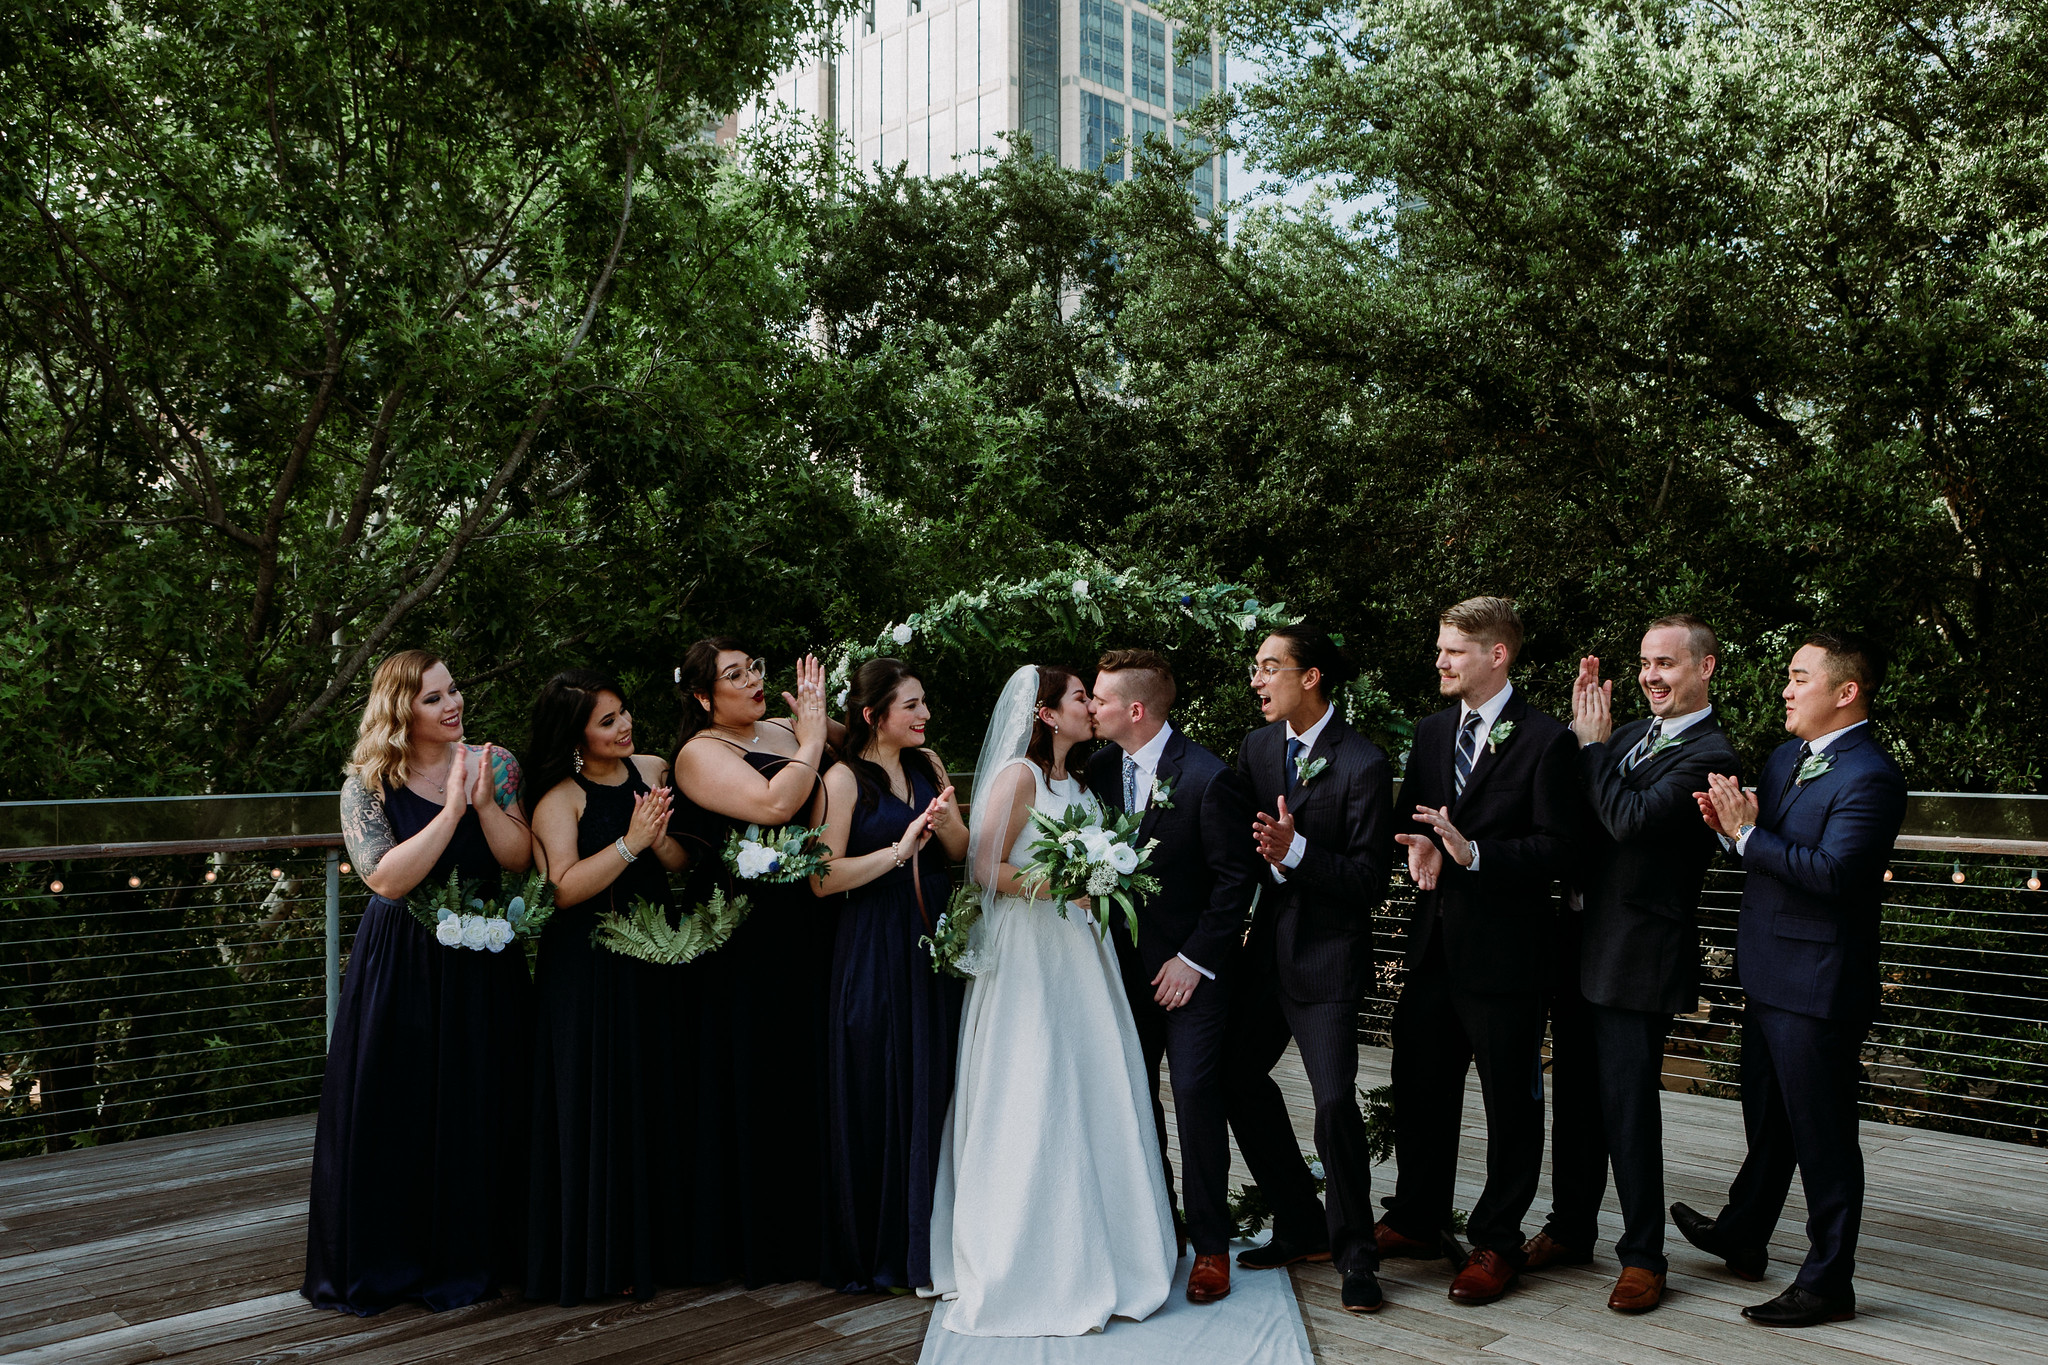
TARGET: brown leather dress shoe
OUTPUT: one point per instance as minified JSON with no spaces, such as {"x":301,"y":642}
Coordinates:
{"x":1392,"y":1243}
{"x":1209,"y":1280}
{"x":1637,"y":1291}
{"x":1543,"y":1250}
{"x":1486,"y":1276}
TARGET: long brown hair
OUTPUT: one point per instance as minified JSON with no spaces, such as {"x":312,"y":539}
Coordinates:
{"x":1052,"y":689}
{"x":560,"y":713}
{"x":698,"y":673}
{"x":383,"y":752}
{"x":869,"y":696}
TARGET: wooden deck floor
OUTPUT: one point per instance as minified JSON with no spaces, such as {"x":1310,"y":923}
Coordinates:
{"x":190,"y":1249}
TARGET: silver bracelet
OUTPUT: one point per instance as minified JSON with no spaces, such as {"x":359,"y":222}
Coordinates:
{"x":628,"y":854}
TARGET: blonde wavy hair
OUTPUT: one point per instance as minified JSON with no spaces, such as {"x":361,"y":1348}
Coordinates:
{"x":382,"y":750}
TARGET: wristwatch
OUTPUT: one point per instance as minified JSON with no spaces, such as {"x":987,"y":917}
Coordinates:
{"x":1742,"y":831}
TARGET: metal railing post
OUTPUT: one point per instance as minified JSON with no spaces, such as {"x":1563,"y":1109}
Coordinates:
{"x":333,"y":938}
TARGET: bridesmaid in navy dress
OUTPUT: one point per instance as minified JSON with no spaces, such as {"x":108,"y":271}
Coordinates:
{"x":756,"y":1019}
{"x":419,"y":1158}
{"x":608,"y":1212}
{"x":892,"y":1023}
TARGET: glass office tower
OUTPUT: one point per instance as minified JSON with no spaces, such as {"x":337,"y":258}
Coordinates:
{"x":930,"y":84}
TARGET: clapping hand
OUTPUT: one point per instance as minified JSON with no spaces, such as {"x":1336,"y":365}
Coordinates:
{"x":944,"y":811}
{"x":483,"y":789}
{"x":917,"y":832}
{"x":1275,"y":834}
{"x":1725,"y":806}
{"x":458,"y":797}
{"x":650,"y":819}
{"x":807,"y":706}
{"x":1425,"y":860}
{"x":1592,"y":704}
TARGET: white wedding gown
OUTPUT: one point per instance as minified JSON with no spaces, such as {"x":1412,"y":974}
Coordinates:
{"x":1050,"y":1215}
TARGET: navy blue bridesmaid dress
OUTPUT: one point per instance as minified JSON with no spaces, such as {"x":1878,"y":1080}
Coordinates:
{"x":419,"y":1160}
{"x":607,"y":1208}
{"x":755,"y":1022}
{"x":892,"y":1032}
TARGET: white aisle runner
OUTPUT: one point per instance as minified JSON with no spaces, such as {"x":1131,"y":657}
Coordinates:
{"x":1259,"y":1324}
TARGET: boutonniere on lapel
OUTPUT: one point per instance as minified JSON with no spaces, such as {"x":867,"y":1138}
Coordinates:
{"x":1310,"y":771}
{"x":1162,"y":795}
{"x":1501,"y":733}
{"x":1815,"y":765}
{"x":1664,"y":744}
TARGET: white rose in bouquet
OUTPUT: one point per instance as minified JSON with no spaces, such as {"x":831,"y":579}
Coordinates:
{"x":1095,"y":842}
{"x":755,"y":859}
{"x":498,"y":934}
{"x":1123,"y":858}
{"x":473,"y":932}
{"x":449,"y":931}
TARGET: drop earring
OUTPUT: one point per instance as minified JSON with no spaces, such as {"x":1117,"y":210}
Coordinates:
{"x":576,"y":759}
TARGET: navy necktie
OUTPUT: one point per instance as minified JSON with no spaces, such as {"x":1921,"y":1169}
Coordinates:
{"x":1468,"y":750}
{"x":1643,"y":745}
{"x":1294,"y":751}
{"x":1130,"y":784}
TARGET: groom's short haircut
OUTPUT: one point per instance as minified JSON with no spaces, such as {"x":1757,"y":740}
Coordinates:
{"x":1852,"y":658}
{"x":1699,"y":636}
{"x":1489,"y":620}
{"x":1147,"y":677}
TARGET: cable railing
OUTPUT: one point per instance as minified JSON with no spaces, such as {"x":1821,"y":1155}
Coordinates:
{"x":170,"y":965}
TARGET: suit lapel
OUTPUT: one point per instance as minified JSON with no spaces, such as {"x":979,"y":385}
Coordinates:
{"x":1167,"y":772}
{"x":1325,"y":747}
{"x":1485,"y":759}
{"x":1838,"y":750}
{"x":1273,"y":763}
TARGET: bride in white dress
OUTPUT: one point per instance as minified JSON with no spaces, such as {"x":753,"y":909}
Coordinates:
{"x":1050,"y":1215}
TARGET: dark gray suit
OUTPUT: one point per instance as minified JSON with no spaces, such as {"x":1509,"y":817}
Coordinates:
{"x":1637,"y":963}
{"x":1306,"y":964}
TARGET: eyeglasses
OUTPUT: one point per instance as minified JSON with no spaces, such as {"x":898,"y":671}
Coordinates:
{"x":1269,"y":671}
{"x":752,"y":671}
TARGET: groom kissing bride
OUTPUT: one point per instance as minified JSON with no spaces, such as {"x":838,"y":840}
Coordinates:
{"x":1053,"y":1209}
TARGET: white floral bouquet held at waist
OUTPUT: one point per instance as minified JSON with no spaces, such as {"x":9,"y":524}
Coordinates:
{"x":1076,"y":856}
{"x":458,"y":919}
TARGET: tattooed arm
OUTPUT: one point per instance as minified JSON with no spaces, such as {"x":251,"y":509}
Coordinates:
{"x":365,"y":828}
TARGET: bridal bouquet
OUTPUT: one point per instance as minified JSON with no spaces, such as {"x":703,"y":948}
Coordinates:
{"x":458,"y":919}
{"x":644,"y":932}
{"x":1075,"y":855}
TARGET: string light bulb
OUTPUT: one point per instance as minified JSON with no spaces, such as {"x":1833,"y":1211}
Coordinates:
{"x":2034,"y":880}
{"x":134,"y":882}
{"x":277,"y":874}
{"x":56,"y":888}
{"x":1957,"y":875}
{"x":345,"y":869}
{"x":212,"y":877}
{"x":1887,"y":874}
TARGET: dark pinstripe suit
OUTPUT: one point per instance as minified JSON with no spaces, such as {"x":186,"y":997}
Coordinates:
{"x":1306,"y":963}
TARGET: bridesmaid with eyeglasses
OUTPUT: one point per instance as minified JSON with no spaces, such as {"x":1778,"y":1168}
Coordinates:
{"x":757,"y":1003}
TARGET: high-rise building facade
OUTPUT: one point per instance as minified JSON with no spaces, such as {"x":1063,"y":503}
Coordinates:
{"x":931,"y":83}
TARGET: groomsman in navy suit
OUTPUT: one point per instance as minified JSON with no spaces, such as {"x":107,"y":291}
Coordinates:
{"x":1325,"y":828}
{"x":1496,"y":784}
{"x":1631,"y":954}
{"x":1814,"y":841}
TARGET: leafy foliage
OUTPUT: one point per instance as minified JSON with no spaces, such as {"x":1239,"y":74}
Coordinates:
{"x":644,"y":932}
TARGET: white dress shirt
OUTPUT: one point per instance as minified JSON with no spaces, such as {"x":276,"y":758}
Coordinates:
{"x":1308,"y":740}
{"x":1489,"y":716}
{"x":1147,"y":761}
{"x":1816,"y":746}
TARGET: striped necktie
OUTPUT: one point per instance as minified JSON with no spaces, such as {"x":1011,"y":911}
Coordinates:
{"x":1468,"y":749}
{"x":1643,"y":745}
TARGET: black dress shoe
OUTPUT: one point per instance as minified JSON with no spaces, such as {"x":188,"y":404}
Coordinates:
{"x":1703,"y":1232}
{"x":1277,"y":1253}
{"x":1798,"y":1307}
{"x":1362,"y":1292}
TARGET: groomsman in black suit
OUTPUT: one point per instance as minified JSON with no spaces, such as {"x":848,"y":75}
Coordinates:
{"x":1178,"y":973}
{"x":1325,"y":828}
{"x":1636,"y":958}
{"x":1497,"y":786}
{"x":1814,"y":840}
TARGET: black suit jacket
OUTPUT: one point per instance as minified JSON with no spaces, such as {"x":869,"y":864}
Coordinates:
{"x":1316,"y":927}
{"x":1206,"y":862}
{"x":1642,"y":866}
{"x":1523,"y":807}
